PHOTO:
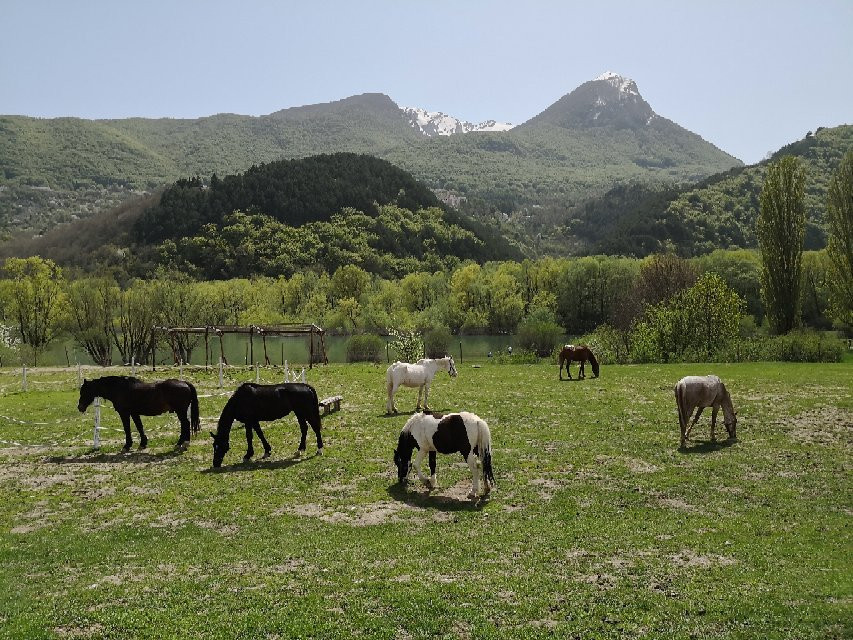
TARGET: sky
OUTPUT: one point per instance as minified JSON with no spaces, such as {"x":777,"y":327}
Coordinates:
{"x":747,"y":75}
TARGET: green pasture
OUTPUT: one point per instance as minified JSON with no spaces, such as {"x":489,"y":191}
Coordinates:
{"x":599,"y":526}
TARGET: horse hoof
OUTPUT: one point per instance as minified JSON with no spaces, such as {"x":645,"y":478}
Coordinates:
{"x":320,"y":451}
{"x":299,"y":453}
{"x":126,"y":448}
{"x":266,"y":455}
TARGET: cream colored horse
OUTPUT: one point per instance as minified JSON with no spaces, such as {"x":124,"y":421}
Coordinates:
{"x":694,"y":392}
{"x":419,"y":374}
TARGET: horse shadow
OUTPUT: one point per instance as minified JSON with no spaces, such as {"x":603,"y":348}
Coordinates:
{"x":132,"y":457}
{"x":408,"y":414}
{"x":259,"y":465}
{"x":420,"y":500}
{"x":707,"y":446}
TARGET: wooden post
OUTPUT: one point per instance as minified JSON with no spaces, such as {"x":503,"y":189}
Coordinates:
{"x":96,"y":436}
{"x":220,"y":373}
{"x":206,"y":347}
{"x":251,"y":344}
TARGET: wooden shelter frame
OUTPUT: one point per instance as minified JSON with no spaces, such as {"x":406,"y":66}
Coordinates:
{"x":287,"y":330}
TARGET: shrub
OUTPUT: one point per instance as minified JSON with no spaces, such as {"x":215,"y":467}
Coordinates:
{"x":437,"y":342}
{"x":538,"y":333}
{"x":365,"y":348}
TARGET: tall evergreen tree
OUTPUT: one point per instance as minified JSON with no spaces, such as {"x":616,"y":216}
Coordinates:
{"x":839,"y":207}
{"x":781,"y":228}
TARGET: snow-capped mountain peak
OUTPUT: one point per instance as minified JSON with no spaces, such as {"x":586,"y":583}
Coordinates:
{"x":625,"y":85}
{"x":436,"y":123}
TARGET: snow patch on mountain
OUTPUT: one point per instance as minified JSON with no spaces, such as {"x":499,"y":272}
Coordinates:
{"x":625,"y":85}
{"x":436,"y":123}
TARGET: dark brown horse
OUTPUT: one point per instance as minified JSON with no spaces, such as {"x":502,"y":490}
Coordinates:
{"x":577,"y":353}
{"x":252,"y":404}
{"x":132,"y":397}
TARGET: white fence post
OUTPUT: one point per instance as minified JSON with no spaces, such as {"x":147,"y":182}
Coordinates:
{"x":303,"y":374}
{"x":257,"y":374}
{"x":220,"y":372}
{"x":79,"y":376}
{"x":286,"y":372}
{"x":133,"y":365}
{"x":181,"y":369}
{"x":96,"y":439}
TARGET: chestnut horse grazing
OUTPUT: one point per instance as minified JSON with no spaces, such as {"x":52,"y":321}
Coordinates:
{"x":132,"y":397}
{"x":462,"y":432}
{"x":577,"y":353}
{"x":693,"y":392}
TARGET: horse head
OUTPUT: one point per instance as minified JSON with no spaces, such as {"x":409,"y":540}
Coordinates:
{"x":87,"y":395}
{"x":403,"y":456}
{"x":220,"y":448}
{"x":451,"y":367}
{"x":731,"y":426}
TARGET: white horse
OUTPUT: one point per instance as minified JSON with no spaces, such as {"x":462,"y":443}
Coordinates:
{"x":462,"y":432}
{"x":703,"y":391}
{"x":418,"y":375}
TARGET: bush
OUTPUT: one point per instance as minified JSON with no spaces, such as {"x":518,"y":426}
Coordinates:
{"x":538,"y":334}
{"x":365,"y":348}
{"x":519,"y":356}
{"x":437,"y":342}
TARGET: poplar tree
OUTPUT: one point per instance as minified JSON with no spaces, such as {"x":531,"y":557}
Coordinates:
{"x":781,"y":228}
{"x":839,"y":248}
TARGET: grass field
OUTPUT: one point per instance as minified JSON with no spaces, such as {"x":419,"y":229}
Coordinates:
{"x":599,"y":526}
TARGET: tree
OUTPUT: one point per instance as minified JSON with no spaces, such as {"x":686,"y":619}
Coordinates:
{"x":92,"y":304}
{"x":781,"y":228}
{"x":37,"y":299}
{"x":839,"y":248}
{"x":132,"y":332}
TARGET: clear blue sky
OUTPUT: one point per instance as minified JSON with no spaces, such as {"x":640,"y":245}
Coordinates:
{"x":747,"y":75}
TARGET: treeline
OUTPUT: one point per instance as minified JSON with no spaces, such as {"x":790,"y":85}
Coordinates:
{"x":540,"y":299}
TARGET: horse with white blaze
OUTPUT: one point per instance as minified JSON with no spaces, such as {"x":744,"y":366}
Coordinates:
{"x":462,"y":432}
{"x":692,"y":392}
{"x":419,"y":374}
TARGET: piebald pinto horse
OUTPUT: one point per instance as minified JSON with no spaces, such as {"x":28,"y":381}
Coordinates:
{"x":462,"y":432}
{"x":692,"y":392}
{"x":419,"y":374}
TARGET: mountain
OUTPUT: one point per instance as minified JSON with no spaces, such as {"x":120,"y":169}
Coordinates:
{"x":56,"y":170}
{"x":436,"y":123}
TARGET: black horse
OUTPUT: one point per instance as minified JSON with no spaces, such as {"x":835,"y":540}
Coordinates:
{"x":251,"y":403}
{"x":132,"y":397}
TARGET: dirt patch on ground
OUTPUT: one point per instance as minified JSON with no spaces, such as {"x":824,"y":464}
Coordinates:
{"x":362,"y":515}
{"x":827,"y":426}
{"x":689,"y":558}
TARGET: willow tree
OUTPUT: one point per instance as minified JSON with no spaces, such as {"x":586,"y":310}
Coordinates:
{"x":781,"y":229}
{"x":839,"y":207}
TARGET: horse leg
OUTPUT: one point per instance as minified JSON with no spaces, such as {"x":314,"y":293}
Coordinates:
{"x":475,"y":474}
{"x":426,"y":397}
{"x":389,"y":404}
{"x":699,"y":411}
{"x":184,"y":438}
{"x":581,"y":372}
{"x":303,"y":428}
{"x":419,"y":459}
{"x":420,"y":391}
{"x":561,"y":369}
{"x":714,"y":422}
{"x":125,"y":422}
{"x":432,"y":477}
{"x":267,"y":448}
{"x":143,"y":439}
{"x":317,"y":428}
{"x":250,"y":449}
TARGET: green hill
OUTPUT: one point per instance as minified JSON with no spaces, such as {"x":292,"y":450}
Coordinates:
{"x":321,"y":212}
{"x":718,"y":212}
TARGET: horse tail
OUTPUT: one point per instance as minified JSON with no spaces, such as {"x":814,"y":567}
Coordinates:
{"x":484,"y":444}
{"x":195,"y":422}
{"x":593,"y":362}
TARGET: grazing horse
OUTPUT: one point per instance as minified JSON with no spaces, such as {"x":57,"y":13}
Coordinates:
{"x":251,"y":403}
{"x":132,"y":397}
{"x":577,"y":353}
{"x":418,"y":375}
{"x":461,"y":432}
{"x":703,"y":391}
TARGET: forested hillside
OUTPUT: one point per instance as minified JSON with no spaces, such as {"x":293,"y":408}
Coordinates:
{"x":321,"y":212}
{"x":717,"y":212}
